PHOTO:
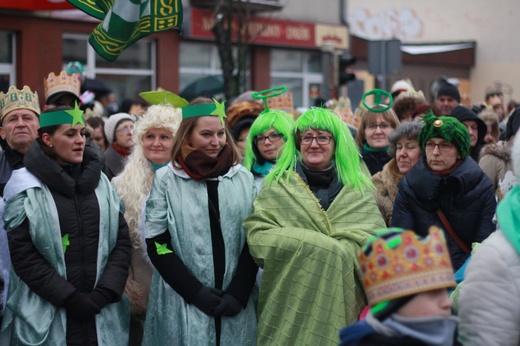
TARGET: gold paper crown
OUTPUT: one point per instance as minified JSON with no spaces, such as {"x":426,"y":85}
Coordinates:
{"x":415,"y":265}
{"x":18,"y":99}
{"x":61,"y":83}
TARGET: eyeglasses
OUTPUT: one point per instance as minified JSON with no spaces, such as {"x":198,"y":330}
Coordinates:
{"x":444,"y":147}
{"x":125,"y":129}
{"x":322,"y":139}
{"x":382,"y":126}
{"x":273,"y":137}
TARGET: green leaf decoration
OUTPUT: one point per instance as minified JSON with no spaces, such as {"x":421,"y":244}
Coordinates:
{"x":162,"y":249}
{"x":163,"y":97}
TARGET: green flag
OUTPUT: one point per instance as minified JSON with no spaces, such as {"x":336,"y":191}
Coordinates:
{"x":125,"y":21}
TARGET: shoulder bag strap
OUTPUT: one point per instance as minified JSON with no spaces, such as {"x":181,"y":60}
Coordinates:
{"x":451,"y":231}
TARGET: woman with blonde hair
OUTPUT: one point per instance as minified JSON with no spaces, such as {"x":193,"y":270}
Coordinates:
{"x":153,"y":134}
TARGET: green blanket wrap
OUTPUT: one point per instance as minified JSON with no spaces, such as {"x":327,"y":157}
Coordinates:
{"x":311,"y":283}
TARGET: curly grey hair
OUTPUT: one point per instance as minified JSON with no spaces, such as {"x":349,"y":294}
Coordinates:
{"x":408,"y":130}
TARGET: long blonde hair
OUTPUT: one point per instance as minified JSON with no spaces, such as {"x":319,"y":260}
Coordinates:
{"x":133,"y":184}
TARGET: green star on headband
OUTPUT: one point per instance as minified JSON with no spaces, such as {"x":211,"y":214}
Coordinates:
{"x":217,"y":108}
{"x":61,"y":117}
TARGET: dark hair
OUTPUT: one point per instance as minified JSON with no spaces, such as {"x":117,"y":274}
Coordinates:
{"x":98,"y":122}
{"x":50,"y":130}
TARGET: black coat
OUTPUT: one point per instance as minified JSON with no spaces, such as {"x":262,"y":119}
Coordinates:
{"x":375,"y":160}
{"x":9,"y":160}
{"x":465,"y":196}
{"x":72,"y":188}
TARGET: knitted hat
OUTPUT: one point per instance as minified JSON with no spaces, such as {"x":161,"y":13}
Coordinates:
{"x":240,"y":125}
{"x":464,"y":114}
{"x":450,"y":90}
{"x":396,"y":264}
{"x":112,"y":123}
{"x":399,"y":87}
{"x":449,"y":128}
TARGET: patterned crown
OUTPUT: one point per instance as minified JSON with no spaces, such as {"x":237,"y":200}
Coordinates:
{"x":61,"y":83}
{"x":18,"y":99}
{"x":398,"y":263}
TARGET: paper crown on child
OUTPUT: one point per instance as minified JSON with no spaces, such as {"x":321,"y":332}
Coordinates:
{"x":397,"y":263}
{"x":18,"y":99}
{"x":61,"y":83}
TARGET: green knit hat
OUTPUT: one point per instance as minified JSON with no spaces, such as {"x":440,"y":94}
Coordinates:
{"x":448,"y":128}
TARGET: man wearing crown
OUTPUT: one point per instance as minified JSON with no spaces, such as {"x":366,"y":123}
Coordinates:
{"x":19,"y":110}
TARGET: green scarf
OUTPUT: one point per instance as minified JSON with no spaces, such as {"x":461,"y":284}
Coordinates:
{"x":508,"y":217}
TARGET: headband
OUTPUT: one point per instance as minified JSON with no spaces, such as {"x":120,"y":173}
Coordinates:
{"x":376,"y":108}
{"x":217,"y":109}
{"x":265,"y":94}
{"x":61,"y":117}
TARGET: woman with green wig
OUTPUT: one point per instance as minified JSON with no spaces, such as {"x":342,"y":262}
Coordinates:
{"x":267,"y":136}
{"x":310,"y":219}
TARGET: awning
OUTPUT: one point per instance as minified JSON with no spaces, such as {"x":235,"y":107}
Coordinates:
{"x":435,"y":48}
{"x":35,"y":5}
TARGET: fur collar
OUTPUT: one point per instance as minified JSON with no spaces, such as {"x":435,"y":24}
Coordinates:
{"x":501,"y":150}
{"x":386,"y":181}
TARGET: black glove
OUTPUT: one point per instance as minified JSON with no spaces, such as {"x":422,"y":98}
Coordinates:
{"x":81,"y":306}
{"x":229,"y":306}
{"x":101,"y":297}
{"x":207,"y":299}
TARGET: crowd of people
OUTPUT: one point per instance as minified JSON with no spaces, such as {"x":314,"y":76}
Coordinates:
{"x":201,"y":223}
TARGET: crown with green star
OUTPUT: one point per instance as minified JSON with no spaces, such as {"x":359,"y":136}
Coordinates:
{"x":61,"y":117}
{"x":216,"y":108}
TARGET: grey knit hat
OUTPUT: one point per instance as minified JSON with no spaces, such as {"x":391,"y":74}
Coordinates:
{"x":112,"y":123}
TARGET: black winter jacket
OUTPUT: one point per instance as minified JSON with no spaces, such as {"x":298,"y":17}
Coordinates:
{"x":465,"y":196}
{"x":375,"y":160}
{"x":72,"y":188}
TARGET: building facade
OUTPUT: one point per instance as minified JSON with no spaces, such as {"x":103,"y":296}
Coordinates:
{"x":294,"y":43}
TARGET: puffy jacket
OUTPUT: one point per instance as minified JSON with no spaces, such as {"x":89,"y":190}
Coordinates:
{"x":489,"y":301}
{"x":465,"y":196}
{"x":72,"y":188}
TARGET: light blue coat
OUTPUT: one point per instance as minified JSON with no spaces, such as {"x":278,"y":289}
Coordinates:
{"x":180,"y":204}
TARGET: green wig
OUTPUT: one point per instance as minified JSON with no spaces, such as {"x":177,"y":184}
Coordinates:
{"x":277,"y":119}
{"x":448,"y":128}
{"x":346,"y":156}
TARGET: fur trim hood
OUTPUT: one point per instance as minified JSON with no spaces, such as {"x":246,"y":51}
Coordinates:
{"x":501,"y":150}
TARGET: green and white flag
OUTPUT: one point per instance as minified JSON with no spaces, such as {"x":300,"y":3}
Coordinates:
{"x":125,"y":21}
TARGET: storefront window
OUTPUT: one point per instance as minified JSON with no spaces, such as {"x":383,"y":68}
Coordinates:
{"x":132,"y":73}
{"x":198,"y":61}
{"x":299,"y":71}
{"x":7,"y":67}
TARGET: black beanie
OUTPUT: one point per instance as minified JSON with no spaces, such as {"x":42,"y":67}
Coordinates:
{"x":463,"y":113}
{"x":513,"y":123}
{"x":449,"y":90}
{"x":243,"y":123}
